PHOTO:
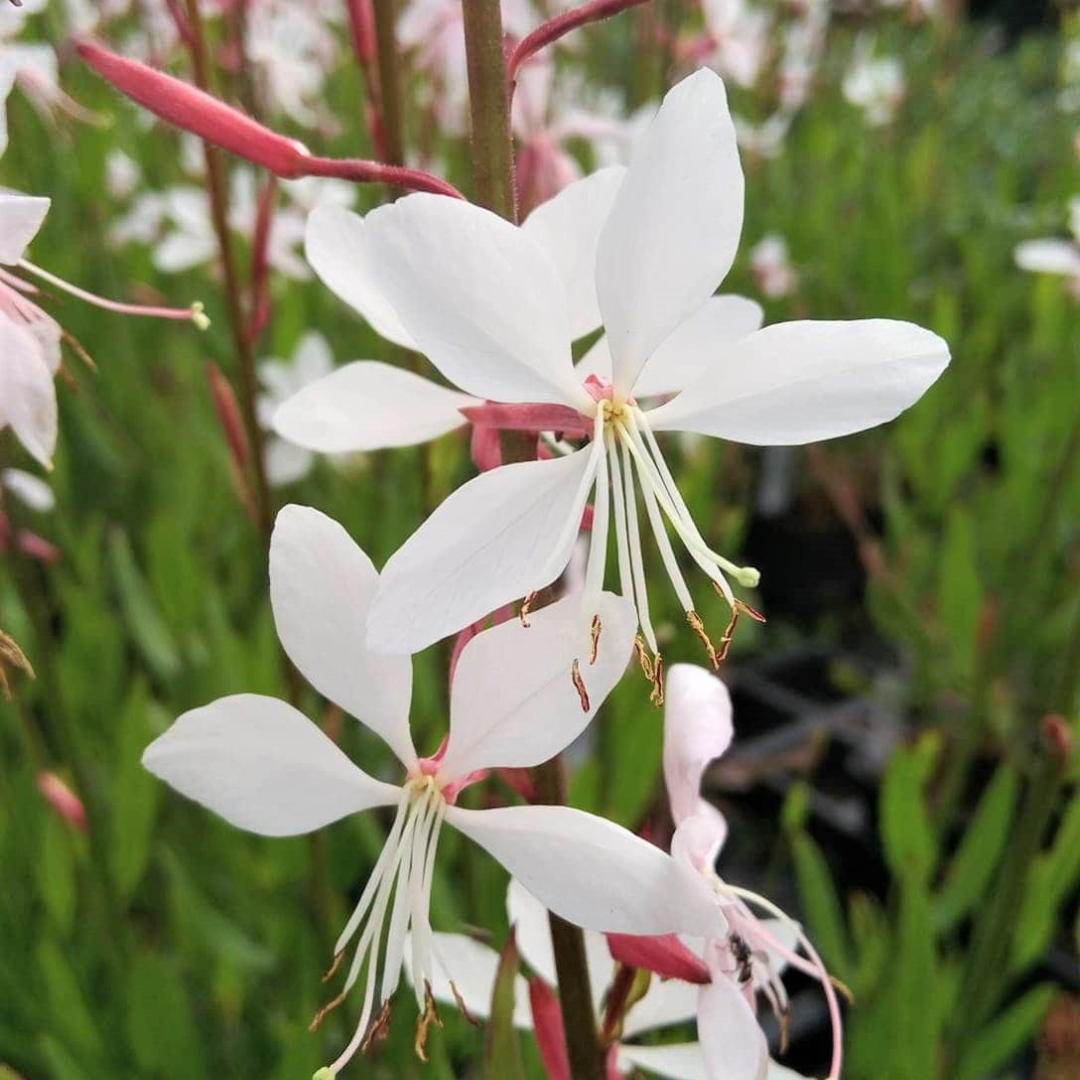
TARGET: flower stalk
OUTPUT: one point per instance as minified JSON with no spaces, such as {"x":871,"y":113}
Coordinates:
{"x":391,"y":116}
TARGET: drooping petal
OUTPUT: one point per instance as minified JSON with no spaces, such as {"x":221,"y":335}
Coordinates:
{"x":568,"y":228}
{"x":732,"y":1044}
{"x":699,"y":837}
{"x":666,"y":1003}
{"x":321,"y":589}
{"x":263,"y":766}
{"x":696,"y":343}
{"x":27,"y":392}
{"x":800,"y":382}
{"x":514,"y":702}
{"x":336,"y":245}
{"x":479,"y":297}
{"x":20,"y":218}
{"x":368,"y":406}
{"x":500,"y":536}
{"x":591,"y":871}
{"x":673,"y":232}
{"x":677,"y":1061}
{"x":697,"y":730}
{"x":472,"y":966}
{"x":1048,"y":257}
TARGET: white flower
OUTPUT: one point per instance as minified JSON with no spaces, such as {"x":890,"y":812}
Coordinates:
{"x":1054,"y":256}
{"x":875,"y":85}
{"x":772,"y":268}
{"x":496,"y":308}
{"x":285,"y":461}
{"x":29,"y":489}
{"x":263,"y":766}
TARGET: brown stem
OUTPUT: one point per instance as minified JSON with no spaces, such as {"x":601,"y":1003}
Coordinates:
{"x":392,"y":123}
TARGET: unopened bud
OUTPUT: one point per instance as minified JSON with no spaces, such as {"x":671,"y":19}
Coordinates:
{"x":1058,"y":735}
{"x":228,"y":410}
{"x":62,"y":799}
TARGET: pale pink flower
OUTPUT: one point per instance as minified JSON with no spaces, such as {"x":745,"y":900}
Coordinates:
{"x":62,"y":799}
{"x":772,"y":268}
{"x":1055,"y":256}
{"x":875,"y":84}
{"x":263,"y":766}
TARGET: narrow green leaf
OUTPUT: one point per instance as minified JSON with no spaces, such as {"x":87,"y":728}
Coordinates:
{"x":55,"y":868}
{"x":502,"y":1051}
{"x":821,"y":903}
{"x":1007,"y":1034}
{"x":906,"y":835}
{"x":960,"y":592}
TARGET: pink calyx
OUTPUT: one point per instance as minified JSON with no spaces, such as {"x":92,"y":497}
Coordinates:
{"x":430,"y":766}
{"x":663,"y":955}
{"x":528,"y":417}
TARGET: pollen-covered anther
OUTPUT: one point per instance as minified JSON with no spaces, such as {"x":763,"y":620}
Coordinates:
{"x":644,"y":659}
{"x":579,"y":686}
{"x":594,"y":643}
{"x":462,"y":1007}
{"x":844,"y":989}
{"x":429,"y":1016}
{"x":657,"y":695}
{"x":325,"y":1011}
{"x":697,"y":624}
{"x":737,"y":609}
{"x":526,"y":607}
{"x":784,"y":1016}
{"x":378,"y":1029}
{"x":333,"y":969}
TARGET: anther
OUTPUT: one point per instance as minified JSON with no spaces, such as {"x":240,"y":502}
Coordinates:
{"x":737,"y":609}
{"x":334,"y":966}
{"x":643,"y":657}
{"x":526,"y":607}
{"x":429,"y":1016}
{"x":657,"y":695}
{"x":785,"y":1025}
{"x":463,"y":1008}
{"x":325,"y":1011}
{"x":697,"y":624}
{"x":579,"y":686}
{"x":378,"y":1029}
{"x":594,"y":633}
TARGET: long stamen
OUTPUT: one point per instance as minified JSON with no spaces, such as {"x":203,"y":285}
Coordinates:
{"x":423,"y":940}
{"x":194,"y":314}
{"x":637,"y":562}
{"x":598,"y":542}
{"x":626,"y":583}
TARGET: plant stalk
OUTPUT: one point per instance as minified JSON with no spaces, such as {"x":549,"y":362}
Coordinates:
{"x":392,"y":119}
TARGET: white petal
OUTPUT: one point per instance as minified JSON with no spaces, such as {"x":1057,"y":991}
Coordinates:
{"x":731,"y":1042}
{"x":678,"y":1061}
{"x":514,"y":703}
{"x":481,"y":299}
{"x":1048,"y":257}
{"x":697,"y":730}
{"x":27,"y":392}
{"x":529,"y":918}
{"x":321,"y":586}
{"x":263,"y":766}
{"x":597,"y":361}
{"x":367,"y":406}
{"x":667,"y":1002}
{"x":799,"y":382}
{"x":782,"y":1072}
{"x":674,"y":229}
{"x":696,"y":343}
{"x":20,"y":218}
{"x":472,"y":967}
{"x":336,"y":245}
{"x":312,"y":359}
{"x":30,"y":490}
{"x":286,"y":463}
{"x":591,"y":871}
{"x":499,"y":537}
{"x":568,"y":228}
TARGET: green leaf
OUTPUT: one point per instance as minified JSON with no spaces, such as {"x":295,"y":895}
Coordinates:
{"x":821,"y":903}
{"x":502,"y":1051}
{"x":72,"y":1019}
{"x":161,"y":1031}
{"x":976,"y":859}
{"x":906,"y":835}
{"x":55,"y":868}
{"x":960,"y":592}
{"x":1007,"y":1034}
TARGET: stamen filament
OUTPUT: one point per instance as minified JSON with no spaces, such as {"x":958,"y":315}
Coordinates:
{"x":622,"y":546}
{"x":598,"y":542}
{"x":637,"y":562}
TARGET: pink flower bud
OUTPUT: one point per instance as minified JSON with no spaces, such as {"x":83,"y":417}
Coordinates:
{"x":228,"y":410}
{"x":62,"y":799}
{"x":665,"y":956}
{"x":548,"y":1026}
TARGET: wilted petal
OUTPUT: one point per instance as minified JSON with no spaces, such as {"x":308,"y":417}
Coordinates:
{"x":368,"y":406}
{"x":696,"y":343}
{"x":321,"y":586}
{"x":732,"y":1044}
{"x":500,"y":536}
{"x":20,"y":218}
{"x":800,"y":382}
{"x":591,"y":871}
{"x":480,"y":298}
{"x":514,"y":702}
{"x":677,"y":1061}
{"x":1048,"y":257}
{"x":568,"y":228}
{"x":27,"y":392}
{"x":673,"y":232}
{"x":697,"y":730}
{"x":336,"y":245}
{"x":262,"y":766}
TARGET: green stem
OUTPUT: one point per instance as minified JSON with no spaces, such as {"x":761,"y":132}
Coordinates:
{"x":390,"y":97}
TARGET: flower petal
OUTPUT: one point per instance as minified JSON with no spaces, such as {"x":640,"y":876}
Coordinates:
{"x":673,"y":232}
{"x":1048,"y":257}
{"x":20,"y":218}
{"x":696,"y":343}
{"x":27,"y":392}
{"x":321,"y":587}
{"x":481,"y":299}
{"x":472,"y":966}
{"x":367,"y":406}
{"x":667,"y":1002}
{"x":30,"y":490}
{"x":732,"y":1044}
{"x":568,"y":228}
{"x":263,"y":766}
{"x":697,"y":730}
{"x":514,"y":703}
{"x":799,"y":382}
{"x":676,"y":1061}
{"x":336,"y":245}
{"x":499,"y":537}
{"x":591,"y":871}
{"x":286,"y":463}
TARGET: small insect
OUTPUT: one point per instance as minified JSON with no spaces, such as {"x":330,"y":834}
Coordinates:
{"x":743,"y":957}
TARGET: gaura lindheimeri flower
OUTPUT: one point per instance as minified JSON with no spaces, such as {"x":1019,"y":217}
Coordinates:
{"x":30,"y":339}
{"x":1054,"y":256}
{"x":749,"y":957}
{"x":263,"y":766}
{"x":875,"y":84}
{"x":772,"y":268}
{"x":495,"y":310}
